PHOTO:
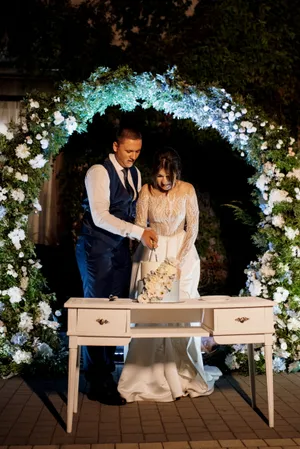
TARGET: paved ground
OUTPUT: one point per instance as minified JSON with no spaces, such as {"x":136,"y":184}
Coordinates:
{"x":34,"y":413}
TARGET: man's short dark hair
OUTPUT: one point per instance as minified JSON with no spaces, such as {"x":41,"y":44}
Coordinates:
{"x":128,"y":132}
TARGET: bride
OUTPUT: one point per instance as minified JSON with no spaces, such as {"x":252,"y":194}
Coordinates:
{"x":165,"y":369}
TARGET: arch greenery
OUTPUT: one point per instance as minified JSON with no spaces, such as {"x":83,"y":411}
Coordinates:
{"x":28,"y":326}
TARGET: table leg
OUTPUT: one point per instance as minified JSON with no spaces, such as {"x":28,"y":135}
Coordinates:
{"x":77,"y":374}
{"x":71,"y":387}
{"x":251,"y":364}
{"x":270,"y":387}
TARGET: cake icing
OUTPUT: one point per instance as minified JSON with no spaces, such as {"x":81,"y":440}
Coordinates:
{"x":159,"y":282}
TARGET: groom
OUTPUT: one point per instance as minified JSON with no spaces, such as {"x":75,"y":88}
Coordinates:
{"x":102,"y":250}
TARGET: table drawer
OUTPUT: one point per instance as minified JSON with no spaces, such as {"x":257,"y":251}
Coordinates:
{"x":241,"y":321}
{"x":101,"y":322}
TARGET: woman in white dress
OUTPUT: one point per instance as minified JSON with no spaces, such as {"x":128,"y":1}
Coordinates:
{"x":165,"y":369}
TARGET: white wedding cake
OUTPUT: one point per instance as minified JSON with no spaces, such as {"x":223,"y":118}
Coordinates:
{"x":159,"y":282}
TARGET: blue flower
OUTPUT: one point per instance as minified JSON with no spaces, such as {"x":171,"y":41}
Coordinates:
{"x":19,"y":338}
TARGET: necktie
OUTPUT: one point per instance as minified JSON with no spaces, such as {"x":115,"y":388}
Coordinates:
{"x":127,"y":185}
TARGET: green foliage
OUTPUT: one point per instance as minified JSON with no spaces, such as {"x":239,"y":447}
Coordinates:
{"x":242,"y":215}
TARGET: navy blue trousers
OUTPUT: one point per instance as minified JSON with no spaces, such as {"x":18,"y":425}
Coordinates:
{"x":104,"y":270}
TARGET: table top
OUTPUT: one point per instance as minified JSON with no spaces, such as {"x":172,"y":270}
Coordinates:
{"x":205,"y":302}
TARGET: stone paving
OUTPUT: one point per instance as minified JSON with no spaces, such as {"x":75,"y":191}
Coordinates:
{"x":33,"y":413}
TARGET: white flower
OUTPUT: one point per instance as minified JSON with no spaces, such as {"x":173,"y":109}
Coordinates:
{"x":38,"y":161}
{"x":57,"y":313}
{"x":9,"y":136}
{"x":56,"y":99}
{"x":280,"y":295}
{"x":37,"y":205}
{"x":255,"y":287}
{"x":21,"y":177}
{"x":256,"y":357}
{"x":37,"y":265}
{"x":45,"y":310}
{"x":34,"y":104}
{"x":293,"y":324}
{"x":8,"y":169}
{"x":15,"y":294}
{"x":277,"y":196}
{"x":15,"y":236}
{"x":3,"y":128}
{"x":283,"y":344}
{"x":295,"y":251}
{"x":22,"y":357}
{"x":26,"y":322}
{"x":295,"y":173}
{"x":70,"y":124}
{"x":51,"y":324}
{"x":44,"y":144}
{"x":38,"y":137}
{"x":22,"y":151}
{"x":11,"y":271}
{"x":278,"y":221}
{"x":262,"y":181}
{"x":3,"y":192}
{"x":21,"y":254}
{"x":58,"y":118}
{"x":290,"y":232}
{"x":18,"y":195}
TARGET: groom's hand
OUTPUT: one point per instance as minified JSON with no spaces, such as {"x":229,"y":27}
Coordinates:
{"x":149,"y":238}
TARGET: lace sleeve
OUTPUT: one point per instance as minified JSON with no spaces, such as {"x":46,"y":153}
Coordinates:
{"x":192,"y":224}
{"x":141,"y":218}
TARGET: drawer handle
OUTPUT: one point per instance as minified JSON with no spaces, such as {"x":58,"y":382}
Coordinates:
{"x":102,"y":321}
{"x":242,"y":319}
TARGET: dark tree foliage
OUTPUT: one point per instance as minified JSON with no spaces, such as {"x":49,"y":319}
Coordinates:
{"x":249,"y":47}
{"x":55,"y":38}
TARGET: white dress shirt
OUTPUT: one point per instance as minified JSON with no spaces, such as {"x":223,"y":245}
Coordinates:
{"x":97,"y":183}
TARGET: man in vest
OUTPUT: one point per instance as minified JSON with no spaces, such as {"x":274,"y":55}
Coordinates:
{"x":102,"y":250}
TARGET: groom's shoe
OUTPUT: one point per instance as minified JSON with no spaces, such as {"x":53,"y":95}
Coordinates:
{"x":108,"y":395}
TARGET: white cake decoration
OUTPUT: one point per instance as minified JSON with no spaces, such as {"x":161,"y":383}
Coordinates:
{"x":159,"y":281}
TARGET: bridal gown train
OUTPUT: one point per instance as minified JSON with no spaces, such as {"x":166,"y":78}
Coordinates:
{"x":164,"y":369}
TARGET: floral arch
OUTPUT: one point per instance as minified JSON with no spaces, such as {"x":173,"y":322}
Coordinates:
{"x":28,"y":326}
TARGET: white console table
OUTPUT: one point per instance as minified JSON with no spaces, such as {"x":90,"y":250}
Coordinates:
{"x":230,"y":320}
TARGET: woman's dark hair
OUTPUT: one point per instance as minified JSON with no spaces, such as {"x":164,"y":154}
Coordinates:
{"x":169,"y":160}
